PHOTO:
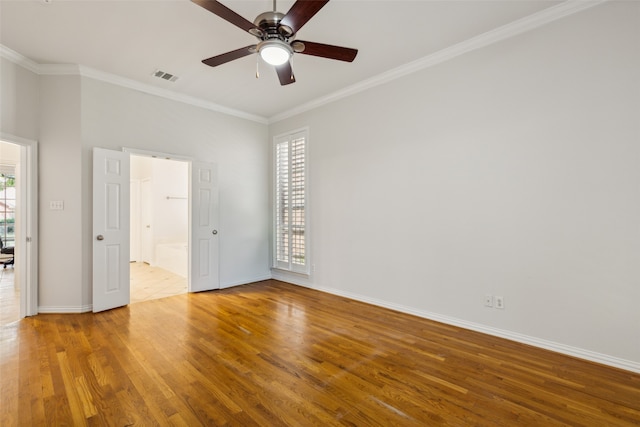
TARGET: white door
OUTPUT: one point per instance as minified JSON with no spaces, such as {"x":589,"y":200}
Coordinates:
{"x":204,"y":228}
{"x":110,"y":229}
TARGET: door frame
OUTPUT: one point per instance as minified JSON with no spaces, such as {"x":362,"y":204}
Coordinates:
{"x":191,"y":162}
{"x":146,"y":227}
{"x":134,"y":221}
{"x":27,"y":252}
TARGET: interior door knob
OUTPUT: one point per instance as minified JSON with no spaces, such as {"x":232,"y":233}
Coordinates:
{"x":214,"y":232}
{"x":100,"y":237}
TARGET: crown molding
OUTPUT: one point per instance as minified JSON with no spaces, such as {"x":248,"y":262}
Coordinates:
{"x":59,"y":70}
{"x":83,"y":71}
{"x":506,"y":31}
{"x":14,"y":139}
{"x":165,"y":93}
{"x":19,"y":59}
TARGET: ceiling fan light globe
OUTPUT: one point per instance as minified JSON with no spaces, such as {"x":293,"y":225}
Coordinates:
{"x":274,"y":55}
{"x":275,"y":52}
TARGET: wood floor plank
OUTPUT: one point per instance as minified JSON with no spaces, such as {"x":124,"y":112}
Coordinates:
{"x":274,"y":354}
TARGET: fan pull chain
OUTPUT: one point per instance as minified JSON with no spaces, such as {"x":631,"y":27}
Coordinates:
{"x":257,"y":66}
{"x":291,"y":69}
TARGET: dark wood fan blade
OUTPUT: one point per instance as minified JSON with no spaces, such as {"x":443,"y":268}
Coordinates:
{"x":301,"y":12}
{"x":225,"y":13}
{"x":328,"y":51}
{"x":285,"y":74}
{"x":214,"y":61}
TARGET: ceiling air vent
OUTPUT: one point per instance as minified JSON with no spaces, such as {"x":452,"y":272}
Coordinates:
{"x":165,"y":76}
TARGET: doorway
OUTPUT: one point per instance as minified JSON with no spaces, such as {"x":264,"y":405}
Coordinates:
{"x":9,"y":281}
{"x":111,"y":226}
{"x":159,"y":231}
{"x":18,"y":228}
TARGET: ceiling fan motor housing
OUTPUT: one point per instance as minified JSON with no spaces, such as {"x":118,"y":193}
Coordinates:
{"x":270,"y":28}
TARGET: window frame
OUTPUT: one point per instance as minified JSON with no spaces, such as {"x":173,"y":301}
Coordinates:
{"x":288,"y":265}
{"x":5,"y":215}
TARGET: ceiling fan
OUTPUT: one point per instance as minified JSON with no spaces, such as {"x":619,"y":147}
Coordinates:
{"x":276,"y":34}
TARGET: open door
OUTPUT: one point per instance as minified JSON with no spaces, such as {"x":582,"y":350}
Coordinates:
{"x":110,"y":229}
{"x":204,"y":228}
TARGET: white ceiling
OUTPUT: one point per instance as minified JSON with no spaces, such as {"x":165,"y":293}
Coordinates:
{"x":132,"y":39}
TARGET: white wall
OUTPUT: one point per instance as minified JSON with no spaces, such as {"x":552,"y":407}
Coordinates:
{"x":9,"y":155}
{"x":140,"y":167}
{"x":512,"y":170}
{"x":170,"y":216}
{"x":61,"y":251}
{"x":19,"y":97}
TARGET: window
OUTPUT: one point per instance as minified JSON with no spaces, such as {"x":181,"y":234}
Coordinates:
{"x":290,"y":213}
{"x":7,"y":209}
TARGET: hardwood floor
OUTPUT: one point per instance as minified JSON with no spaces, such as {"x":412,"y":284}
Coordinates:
{"x":273,"y":354}
{"x":147,"y":283}
{"x":9,"y":297}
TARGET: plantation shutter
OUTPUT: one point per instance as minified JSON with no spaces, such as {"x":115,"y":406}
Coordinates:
{"x":290,"y":203}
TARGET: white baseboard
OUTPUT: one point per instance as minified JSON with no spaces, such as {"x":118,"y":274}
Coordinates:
{"x":89,"y":307}
{"x":266,"y":276}
{"x":52,"y":309}
{"x":577,"y":352}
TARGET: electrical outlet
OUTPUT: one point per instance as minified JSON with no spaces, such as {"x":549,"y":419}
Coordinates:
{"x":56,"y":205}
{"x":499,"y":302}
{"x":488,"y":300}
